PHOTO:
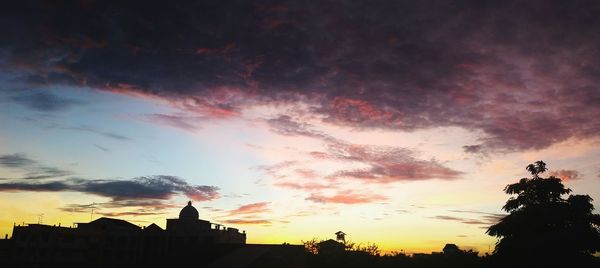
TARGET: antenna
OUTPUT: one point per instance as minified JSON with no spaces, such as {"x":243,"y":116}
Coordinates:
{"x":40,"y":218}
{"x":92,"y":213}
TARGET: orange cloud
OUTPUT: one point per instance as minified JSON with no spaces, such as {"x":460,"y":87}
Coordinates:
{"x":248,"y":222}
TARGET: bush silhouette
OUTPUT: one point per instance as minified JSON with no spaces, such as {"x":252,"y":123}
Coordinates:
{"x":543,"y":228}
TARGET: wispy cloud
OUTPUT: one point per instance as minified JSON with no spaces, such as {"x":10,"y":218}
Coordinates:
{"x":386,"y":163}
{"x":346,"y":197}
{"x":566,"y":174}
{"x":484,"y":219}
{"x":182,"y":122}
{"x":101,"y":148}
{"x":17,"y":160}
{"x":89,"y":129}
{"x":135,"y":207}
{"x":373,"y":165}
{"x":248,"y":221}
{"x":33,"y":170}
{"x":248,"y":214}
{"x":147,"y":187}
{"x":253,"y":208}
{"x":45,"y":101}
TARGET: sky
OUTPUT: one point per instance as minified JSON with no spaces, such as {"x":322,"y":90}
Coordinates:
{"x":397,"y":122}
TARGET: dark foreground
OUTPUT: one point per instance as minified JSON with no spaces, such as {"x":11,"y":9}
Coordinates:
{"x":267,"y":256}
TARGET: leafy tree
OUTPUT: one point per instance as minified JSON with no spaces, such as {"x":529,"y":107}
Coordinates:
{"x":542,"y":227}
{"x":310,"y":246}
{"x":370,"y":249}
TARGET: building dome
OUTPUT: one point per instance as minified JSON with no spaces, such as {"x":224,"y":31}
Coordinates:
{"x":188,"y":212}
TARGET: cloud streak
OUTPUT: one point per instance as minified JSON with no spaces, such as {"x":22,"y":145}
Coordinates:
{"x":33,"y":169}
{"x":45,"y":101}
{"x":375,"y":165}
{"x":89,"y":129}
{"x":18,"y":160}
{"x":566,"y":174}
{"x":386,"y":163}
{"x":346,"y":197}
{"x":139,"y":207}
{"x":147,"y":187}
{"x":177,"y":121}
{"x":248,"y":214}
{"x":253,"y":208}
{"x":483,"y":219}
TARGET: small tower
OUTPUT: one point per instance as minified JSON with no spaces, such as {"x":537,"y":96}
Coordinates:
{"x":340,"y":236}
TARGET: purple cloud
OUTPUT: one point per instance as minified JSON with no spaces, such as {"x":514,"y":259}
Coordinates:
{"x":523,"y":73}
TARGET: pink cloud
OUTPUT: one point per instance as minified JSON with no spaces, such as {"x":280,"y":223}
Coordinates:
{"x":346,"y":197}
{"x":254,"y":208}
{"x":304,"y":186}
{"x":566,"y":174}
{"x":387,"y":164}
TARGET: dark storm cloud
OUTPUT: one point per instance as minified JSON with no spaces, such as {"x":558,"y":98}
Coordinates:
{"x":45,"y":101}
{"x":148,"y":187}
{"x":524,"y":73}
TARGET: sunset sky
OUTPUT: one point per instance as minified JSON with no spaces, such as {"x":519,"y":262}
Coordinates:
{"x":397,"y":122}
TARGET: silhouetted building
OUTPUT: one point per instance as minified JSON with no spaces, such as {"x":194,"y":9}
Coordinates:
{"x":5,"y":246}
{"x":330,"y":246}
{"x":107,"y":242}
{"x":189,"y":228}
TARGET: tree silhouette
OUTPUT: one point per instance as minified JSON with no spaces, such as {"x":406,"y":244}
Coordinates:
{"x":543,"y":228}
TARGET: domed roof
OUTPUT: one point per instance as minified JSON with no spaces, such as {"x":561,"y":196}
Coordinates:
{"x":188,"y":212}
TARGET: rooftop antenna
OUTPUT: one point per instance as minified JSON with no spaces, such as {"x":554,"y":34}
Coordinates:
{"x":40,"y":218}
{"x":92,"y":206}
